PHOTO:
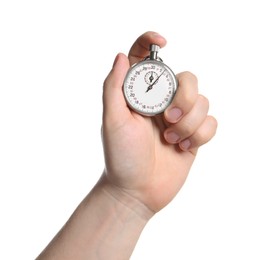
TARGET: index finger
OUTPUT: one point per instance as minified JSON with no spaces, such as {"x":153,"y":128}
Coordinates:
{"x":140,"y":48}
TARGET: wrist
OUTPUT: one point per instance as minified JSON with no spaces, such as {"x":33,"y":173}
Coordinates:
{"x":106,"y":225}
{"x":122,"y":199}
{"x":117,"y":219}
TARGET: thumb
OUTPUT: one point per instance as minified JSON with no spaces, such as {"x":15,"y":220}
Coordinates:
{"x":114,"y":104}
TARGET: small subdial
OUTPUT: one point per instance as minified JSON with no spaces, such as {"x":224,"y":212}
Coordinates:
{"x":150,"y":77}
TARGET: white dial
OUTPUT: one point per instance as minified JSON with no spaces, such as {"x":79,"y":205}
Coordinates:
{"x":149,"y":87}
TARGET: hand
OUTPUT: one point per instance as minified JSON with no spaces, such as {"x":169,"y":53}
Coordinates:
{"x":149,"y":158}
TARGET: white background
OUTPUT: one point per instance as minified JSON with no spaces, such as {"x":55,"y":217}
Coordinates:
{"x":54,"y":56}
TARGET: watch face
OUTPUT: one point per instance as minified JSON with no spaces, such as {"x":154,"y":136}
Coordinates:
{"x":149,"y":87}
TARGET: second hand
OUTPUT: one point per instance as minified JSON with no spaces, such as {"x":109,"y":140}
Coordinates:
{"x":151,"y":86}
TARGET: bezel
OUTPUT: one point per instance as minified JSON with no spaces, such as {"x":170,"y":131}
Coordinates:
{"x":133,"y":69}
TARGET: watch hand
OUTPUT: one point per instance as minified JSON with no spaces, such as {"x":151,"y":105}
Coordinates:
{"x":151,"y":86}
{"x":151,"y":77}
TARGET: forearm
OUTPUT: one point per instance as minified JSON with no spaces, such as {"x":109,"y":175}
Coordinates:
{"x":106,"y":225}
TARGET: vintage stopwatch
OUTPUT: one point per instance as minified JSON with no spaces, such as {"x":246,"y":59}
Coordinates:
{"x":150,"y":85}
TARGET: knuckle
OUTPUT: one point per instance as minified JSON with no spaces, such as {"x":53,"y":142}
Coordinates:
{"x":187,"y":128}
{"x":213,"y":122}
{"x":188,"y":90}
{"x":204,"y":99}
{"x":204,"y":102}
{"x":188,"y":100}
{"x":188,"y":76}
{"x":203,"y":135}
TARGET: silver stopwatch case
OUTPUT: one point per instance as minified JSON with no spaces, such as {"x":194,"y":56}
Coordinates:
{"x":150,"y":85}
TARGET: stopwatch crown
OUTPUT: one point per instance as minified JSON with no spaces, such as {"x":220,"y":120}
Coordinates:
{"x":154,"y":47}
{"x":153,"y":51}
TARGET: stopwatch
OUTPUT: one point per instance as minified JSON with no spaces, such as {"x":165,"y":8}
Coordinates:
{"x":150,"y":85}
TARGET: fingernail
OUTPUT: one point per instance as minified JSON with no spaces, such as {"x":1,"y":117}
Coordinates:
{"x":173,"y":114}
{"x":185,"y":145}
{"x":172,"y":137}
{"x":157,"y":34}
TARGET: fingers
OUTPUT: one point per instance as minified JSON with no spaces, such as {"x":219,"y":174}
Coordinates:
{"x":201,"y":136}
{"x":185,"y":98}
{"x":189,"y":123}
{"x":189,"y":126}
{"x":140,"y":48}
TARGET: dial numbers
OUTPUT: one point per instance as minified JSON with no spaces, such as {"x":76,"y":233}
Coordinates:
{"x":149,"y":87}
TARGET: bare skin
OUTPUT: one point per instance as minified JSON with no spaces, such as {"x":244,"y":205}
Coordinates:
{"x":147,"y":160}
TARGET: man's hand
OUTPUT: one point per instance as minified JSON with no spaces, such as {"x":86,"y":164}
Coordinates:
{"x":150,"y":157}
